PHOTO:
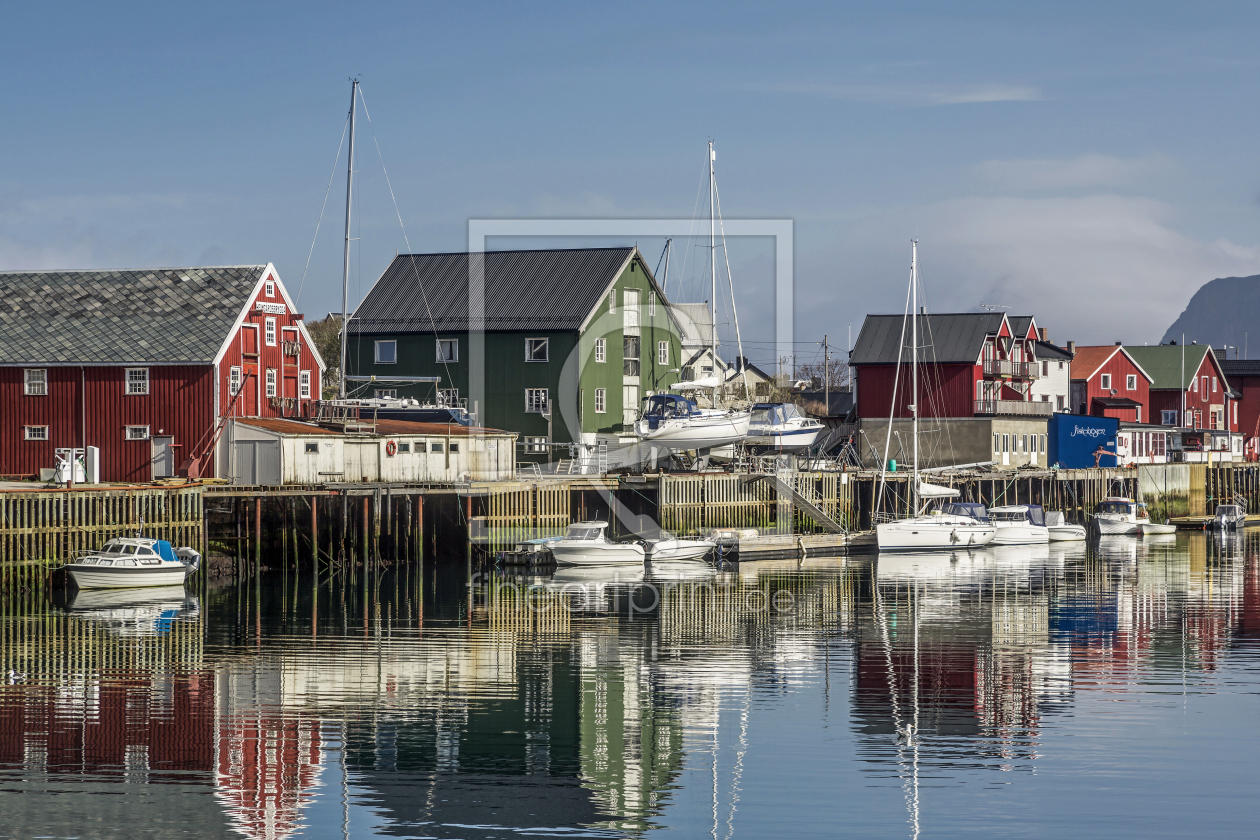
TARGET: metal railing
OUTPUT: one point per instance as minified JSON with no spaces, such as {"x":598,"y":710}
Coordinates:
{"x":1015,"y":370}
{"x":1017,"y":408}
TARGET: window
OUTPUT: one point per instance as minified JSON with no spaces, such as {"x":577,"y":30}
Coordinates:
{"x":271,"y":382}
{"x":421,"y":446}
{"x":1194,"y":385}
{"x":137,"y":381}
{"x":651,"y":303}
{"x":536,"y":349}
{"x":234,"y":380}
{"x":387,"y":352}
{"x":630,"y":355}
{"x":35,"y":382}
{"x":1043,"y":444}
{"x":269,"y":331}
{"x":1189,"y":419}
{"x":36,"y":432}
{"x":662,"y":352}
{"x":1168,"y":418}
{"x":1139,"y":413}
{"x":437,"y":447}
{"x":1060,"y":402}
{"x":536,"y":400}
{"x":1045,"y":398}
{"x":270,"y":288}
{"x":630,"y":300}
{"x":1006,"y":445}
{"x":454,"y":447}
{"x":448,"y":397}
{"x":612,"y":301}
{"x":304,"y":385}
{"x":601,"y":350}
{"x":1060,"y":365}
{"x":1045,"y":368}
{"x":1203,"y":394}
{"x":448,"y":349}
{"x":137,"y":433}
{"x":535,"y":444}
{"x":1235,"y":420}
{"x":1023,"y":443}
{"x":1213,"y":384}
{"x":1130,"y":382}
{"x":688,"y":373}
{"x":312,"y":449}
{"x":385,"y":394}
{"x":1104,"y":381}
{"x":997,"y":442}
{"x":601,"y":400}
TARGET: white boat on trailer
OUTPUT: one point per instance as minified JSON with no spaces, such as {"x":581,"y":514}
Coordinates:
{"x":675,"y":422}
{"x":126,"y":562}
{"x":781,"y":427}
{"x":586,"y":545}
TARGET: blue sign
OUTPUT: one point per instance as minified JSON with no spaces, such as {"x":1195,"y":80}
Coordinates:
{"x":1075,"y":438}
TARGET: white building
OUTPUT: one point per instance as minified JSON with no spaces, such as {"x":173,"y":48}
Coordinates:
{"x":1054,"y":374}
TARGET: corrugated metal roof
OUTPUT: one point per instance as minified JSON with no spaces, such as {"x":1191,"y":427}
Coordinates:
{"x":948,"y":338}
{"x":1163,"y":363}
{"x":161,"y":315}
{"x":524,"y":290}
{"x":1240,"y":367}
{"x":384,"y":428}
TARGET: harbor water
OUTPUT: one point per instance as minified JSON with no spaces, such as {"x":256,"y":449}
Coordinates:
{"x":1101,"y":689}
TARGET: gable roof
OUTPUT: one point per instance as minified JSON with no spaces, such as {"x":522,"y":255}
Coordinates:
{"x":742,"y":364}
{"x":1089,"y":360}
{"x":1163,"y":363}
{"x":1052,"y":352}
{"x":949,"y":338}
{"x":1022,"y":326}
{"x":1240,"y":367}
{"x":553,"y":289}
{"x":148,"y":315}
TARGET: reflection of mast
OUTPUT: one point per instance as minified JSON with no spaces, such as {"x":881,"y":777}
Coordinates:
{"x":906,"y":735}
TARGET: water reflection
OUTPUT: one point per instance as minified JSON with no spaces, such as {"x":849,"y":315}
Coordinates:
{"x":740,"y":700}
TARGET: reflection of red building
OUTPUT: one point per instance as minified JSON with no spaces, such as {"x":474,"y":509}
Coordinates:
{"x":268,"y":763}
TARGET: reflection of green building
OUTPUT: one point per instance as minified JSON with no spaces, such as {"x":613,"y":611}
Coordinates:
{"x":587,"y":329}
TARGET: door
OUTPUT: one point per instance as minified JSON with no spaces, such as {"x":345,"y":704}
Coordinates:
{"x":163,"y":457}
{"x":290,"y":392}
{"x":630,"y":316}
{"x":257,"y":462}
{"x":362,"y":461}
{"x":249,"y":404}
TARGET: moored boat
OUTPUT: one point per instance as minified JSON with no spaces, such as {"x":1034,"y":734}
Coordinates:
{"x":1229,"y":517}
{"x":1149,"y":528}
{"x":1119,"y":515}
{"x":669,"y":547}
{"x":1019,"y":525}
{"x":586,"y":545}
{"x":126,"y":562}
{"x":1060,"y":530}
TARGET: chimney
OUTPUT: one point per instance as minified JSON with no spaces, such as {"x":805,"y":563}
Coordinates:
{"x":1045,"y":334}
{"x":1118,"y":343}
{"x":1071,"y":347}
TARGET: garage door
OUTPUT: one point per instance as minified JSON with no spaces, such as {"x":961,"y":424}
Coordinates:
{"x":363,"y":461}
{"x":257,"y":461}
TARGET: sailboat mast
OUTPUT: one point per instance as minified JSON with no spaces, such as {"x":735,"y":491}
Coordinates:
{"x":345,"y":271}
{"x":713,"y":272}
{"x":914,"y":360}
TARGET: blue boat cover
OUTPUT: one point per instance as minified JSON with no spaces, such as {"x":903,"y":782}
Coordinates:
{"x":164,"y":551}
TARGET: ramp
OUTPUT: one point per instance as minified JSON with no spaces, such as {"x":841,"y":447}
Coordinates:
{"x":815,"y":513}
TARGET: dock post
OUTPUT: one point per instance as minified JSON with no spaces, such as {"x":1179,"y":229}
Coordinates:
{"x":376,"y":524}
{"x":364,"y":541}
{"x":315,"y":537}
{"x":257,"y":534}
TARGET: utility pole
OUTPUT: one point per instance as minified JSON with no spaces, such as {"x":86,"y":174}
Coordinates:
{"x":827,"y":377}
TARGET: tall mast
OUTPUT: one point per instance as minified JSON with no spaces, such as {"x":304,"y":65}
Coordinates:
{"x":914,"y":360}
{"x":345,"y":271}
{"x":713,"y":272}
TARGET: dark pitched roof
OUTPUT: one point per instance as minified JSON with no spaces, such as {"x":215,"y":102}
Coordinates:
{"x":947,"y":338}
{"x":524,"y":290}
{"x":1019,"y":324}
{"x":163,"y":315}
{"x":1117,"y":402}
{"x":1052,"y":352}
{"x":1240,"y":367}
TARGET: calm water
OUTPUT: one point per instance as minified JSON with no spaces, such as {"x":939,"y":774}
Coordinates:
{"x":1109,"y":690}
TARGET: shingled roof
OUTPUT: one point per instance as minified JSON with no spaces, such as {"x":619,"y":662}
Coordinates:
{"x":948,"y":338}
{"x":524,"y":290}
{"x":148,"y":315}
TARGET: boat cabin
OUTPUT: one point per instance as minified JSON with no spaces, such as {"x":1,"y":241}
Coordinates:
{"x":973,"y":509}
{"x":775,"y":414}
{"x":586,"y":531}
{"x":132,"y":551}
{"x":664,"y":406}
{"x":1033,"y":514}
{"x":1121,"y":506}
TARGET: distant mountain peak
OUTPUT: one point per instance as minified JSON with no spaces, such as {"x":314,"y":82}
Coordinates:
{"x":1223,"y":311}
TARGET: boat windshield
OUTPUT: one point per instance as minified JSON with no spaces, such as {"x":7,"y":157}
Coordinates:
{"x":972,"y":509}
{"x":668,"y":405}
{"x":1037,"y":515}
{"x":1115,"y":507}
{"x":1054,"y":517}
{"x":1009,"y":515}
{"x":582,"y":534}
{"x":1228,"y":510}
{"x":761,"y":417}
{"x":129,"y":549}
{"x":113,"y":548}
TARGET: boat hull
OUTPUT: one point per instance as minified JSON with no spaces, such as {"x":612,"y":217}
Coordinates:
{"x":680,"y":550}
{"x":927,"y":534}
{"x":783,"y":440}
{"x":1152,"y":528}
{"x":1066,"y":533}
{"x":1117,"y":527}
{"x":590,"y":553}
{"x":1020,"y":533}
{"x":695,"y":432}
{"x":125,"y":577}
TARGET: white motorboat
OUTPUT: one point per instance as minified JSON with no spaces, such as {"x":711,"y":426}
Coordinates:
{"x":1228,"y":517}
{"x":586,"y":545}
{"x":1151,"y":528}
{"x":133,"y":561}
{"x":1118,"y":515}
{"x":675,"y":422}
{"x":669,"y":547}
{"x":781,"y":427}
{"x":1060,"y":530}
{"x":1019,"y":525}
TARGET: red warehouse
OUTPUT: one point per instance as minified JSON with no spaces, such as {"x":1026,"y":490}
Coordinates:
{"x":143,"y":364}
{"x":1108,"y":382}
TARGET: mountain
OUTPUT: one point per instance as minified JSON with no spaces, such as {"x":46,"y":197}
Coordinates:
{"x":1223,"y":311}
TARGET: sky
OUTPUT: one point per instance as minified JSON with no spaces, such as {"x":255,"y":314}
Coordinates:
{"x":1090,"y":164}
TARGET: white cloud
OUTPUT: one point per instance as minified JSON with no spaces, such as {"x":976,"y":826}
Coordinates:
{"x":910,"y":94}
{"x":1090,"y":170}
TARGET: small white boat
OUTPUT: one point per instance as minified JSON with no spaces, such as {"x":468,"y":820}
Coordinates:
{"x":585,"y":545}
{"x":669,"y":547}
{"x":1060,"y":530}
{"x":781,"y":427}
{"x":1117,"y":515}
{"x":674,"y":422}
{"x":1149,"y":528}
{"x":1229,"y":517}
{"x":127,"y":562}
{"x":1019,"y":525}
{"x":939,"y":529}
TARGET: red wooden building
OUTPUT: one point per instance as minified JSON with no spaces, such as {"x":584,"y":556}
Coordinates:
{"x":143,"y":363}
{"x":1188,"y":379}
{"x":1244,"y":381}
{"x":1108,"y":382}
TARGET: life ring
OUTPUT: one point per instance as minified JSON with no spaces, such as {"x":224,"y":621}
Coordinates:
{"x":391,"y":448}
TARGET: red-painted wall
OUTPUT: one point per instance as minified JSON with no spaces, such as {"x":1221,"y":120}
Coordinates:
{"x":944,"y":390}
{"x":180,"y":404}
{"x":1120,"y":367}
{"x":1249,"y":405}
{"x":1199,"y":401}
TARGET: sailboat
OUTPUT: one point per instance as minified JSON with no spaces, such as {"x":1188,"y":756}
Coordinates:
{"x":671,"y":421}
{"x":937,"y":529}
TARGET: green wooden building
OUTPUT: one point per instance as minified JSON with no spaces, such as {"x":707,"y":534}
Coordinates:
{"x":585,"y":330}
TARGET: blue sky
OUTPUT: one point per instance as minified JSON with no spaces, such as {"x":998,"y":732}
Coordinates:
{"x":1091,"y":164}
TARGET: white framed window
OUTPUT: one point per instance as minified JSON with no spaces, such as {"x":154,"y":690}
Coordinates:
{"x":448,"y":397}
{"x":1168,"y":418}
{"x":1194,"y":386}
{"x":234,"y":380}
{"x":403,"y":447}
{"x":1059,"y":402}
{"x":448,"y":350}
{"x":651,"y":303}
{"x":630,"y":355}
{"x":438,"y":446}
{"x":535,"y":444}
{"x":304,"y":385}
{"x":137,"y":381}
{"x":421,"y":446}
{"x":1203,"y":394}
{"x":1139,"y":414}
{"x":1213,"y":384}
{"x":35,"y":382}
{"x":271,"y":382}
{"x":1189,"y":419}
{"x":1043,"y":444}
{"x":312,"y":448}
{"x":385,"y":393}
{"x":1104,"y":381}
{"x":662,"y":352}
{"x":997,"y":442}
{"x":269,"y":331}
{"x":454,"y":446}
{"x":1130,"y":382}
{"x":535,"y":400}
{"x":601,"y":400}
{"x":1006,"y":444}
{"x":601,"y":350}
{"x":1060,"y":365}
{"x":536,"y":349}
{"x":269,"y":288}
{"x":387,"y":352}
{"x":630,"y":302}
{"x":136,"y":433}
{"x":612,"y":301}
{"x":1235,"y":420}
{"x":35,"y":432}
